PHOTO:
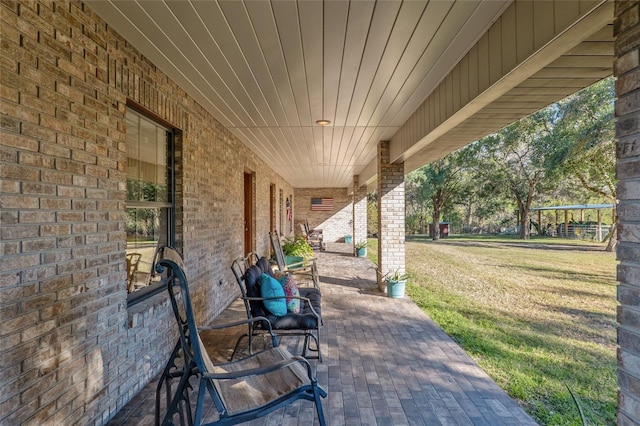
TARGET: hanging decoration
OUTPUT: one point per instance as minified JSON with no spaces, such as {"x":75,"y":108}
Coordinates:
{"x":288,"y":204}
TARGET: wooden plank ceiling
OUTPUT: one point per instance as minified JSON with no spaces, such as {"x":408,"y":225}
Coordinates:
{"x":268,"y":70}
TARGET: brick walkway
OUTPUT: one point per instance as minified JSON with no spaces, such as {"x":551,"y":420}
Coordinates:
{"x":385,"y":362}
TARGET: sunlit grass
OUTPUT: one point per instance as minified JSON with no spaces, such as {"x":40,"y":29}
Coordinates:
{"x":537,"y":316}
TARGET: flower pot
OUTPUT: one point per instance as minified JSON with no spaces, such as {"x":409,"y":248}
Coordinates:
{"x":361,"y":252}
{"x":395,"y":289}
{"x":348,"y":239}
{"x":289,"y":260}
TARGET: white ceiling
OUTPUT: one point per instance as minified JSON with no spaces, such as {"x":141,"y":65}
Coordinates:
{"x":268,"y":70}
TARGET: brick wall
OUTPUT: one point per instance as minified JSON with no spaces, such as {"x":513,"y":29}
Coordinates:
{"x":391,"y":205}
{"x":627,"y":71}
{"x":335,"y":224}
{"x":70,"y":350}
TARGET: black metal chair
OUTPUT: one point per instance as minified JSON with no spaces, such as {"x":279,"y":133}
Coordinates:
{"x":305,"y":268}
{"x":306,"y":323}
{"x":241,"y":390}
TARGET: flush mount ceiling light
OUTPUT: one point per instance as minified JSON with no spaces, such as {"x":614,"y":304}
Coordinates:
{"x":323,"y":122}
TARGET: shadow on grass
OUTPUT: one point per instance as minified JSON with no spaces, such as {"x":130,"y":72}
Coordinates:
{"x":541,"y":243}
{"x":533,"y":359}
{"x":562,"y":273}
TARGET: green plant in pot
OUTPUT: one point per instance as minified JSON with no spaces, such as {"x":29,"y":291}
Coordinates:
{"x":361,"y":248}
{"x":395,"y":282}
{"x":296,"y":250}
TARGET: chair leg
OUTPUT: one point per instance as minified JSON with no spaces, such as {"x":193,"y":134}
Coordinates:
{"x":308,"y":337}
{"x":165,"y":379}
{"x":316,"y":398}
{"x":180,"y":400}
{"x":199,"y":406}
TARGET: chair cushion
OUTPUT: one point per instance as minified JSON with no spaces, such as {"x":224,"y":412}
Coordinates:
{"x":305,"y":320}
{"x":252,"y":283}
{"x":265,"y":266}
{"x":270,"y":287}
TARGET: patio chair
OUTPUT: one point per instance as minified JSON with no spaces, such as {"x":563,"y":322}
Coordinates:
{"x":315,"y":240}
{"x":240,"y":391}
{"x":312,"y":232}
{"x":306,"y":323}
{"x":305,"y":268}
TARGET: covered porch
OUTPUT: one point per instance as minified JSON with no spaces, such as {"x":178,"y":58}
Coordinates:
{"x":240,"y":94}
{"x":386,"y":362}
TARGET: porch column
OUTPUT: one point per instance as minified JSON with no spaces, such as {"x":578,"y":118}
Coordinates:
{"x":627,"y":110}
{"x":359,"y":218}
{"x":391,"y":210}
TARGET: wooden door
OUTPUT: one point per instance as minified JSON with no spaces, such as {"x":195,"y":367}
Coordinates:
{"x":272,"y":208}
{"x":248,"y":213}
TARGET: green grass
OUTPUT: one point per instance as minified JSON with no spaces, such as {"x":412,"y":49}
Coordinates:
{"x":537,"y":316}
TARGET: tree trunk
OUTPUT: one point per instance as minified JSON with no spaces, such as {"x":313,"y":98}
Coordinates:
{"x":613,"y":241}
{"x":436,"y":224}
{"x":524,"y":224}
{"x":612,"y":237}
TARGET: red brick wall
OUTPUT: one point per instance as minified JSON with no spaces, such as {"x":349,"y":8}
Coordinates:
{"x":70,"y":350}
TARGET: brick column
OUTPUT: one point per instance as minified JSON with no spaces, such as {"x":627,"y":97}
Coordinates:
{"x":627,"y":70}
{"x":359,"y":212}
{"x":391,"y":210}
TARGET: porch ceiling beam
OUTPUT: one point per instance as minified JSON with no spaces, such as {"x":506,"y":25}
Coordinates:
{"x":579,"y":53}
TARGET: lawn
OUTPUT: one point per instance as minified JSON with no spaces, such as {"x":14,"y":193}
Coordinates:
{"x":538,"y":316}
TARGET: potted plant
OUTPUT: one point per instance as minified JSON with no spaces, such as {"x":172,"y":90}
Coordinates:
{"x":361,"y":248}
{"x":395,"y":282}
{"x":296,"y":250}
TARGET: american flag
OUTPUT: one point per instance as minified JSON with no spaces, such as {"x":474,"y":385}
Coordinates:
{"x":321,"y":204}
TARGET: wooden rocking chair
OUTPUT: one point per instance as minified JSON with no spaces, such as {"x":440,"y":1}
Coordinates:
{"x":305,"y":268}
{"x":241,"y":390}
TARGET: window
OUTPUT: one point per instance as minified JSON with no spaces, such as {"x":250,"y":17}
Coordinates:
{"x":149,"y":205}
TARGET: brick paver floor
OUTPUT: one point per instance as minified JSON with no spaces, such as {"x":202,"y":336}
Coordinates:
{"x":385,"y":362}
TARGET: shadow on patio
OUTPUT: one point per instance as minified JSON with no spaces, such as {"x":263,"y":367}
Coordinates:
{"x":385,"y":362}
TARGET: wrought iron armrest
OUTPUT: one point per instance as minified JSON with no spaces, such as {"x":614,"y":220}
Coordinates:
{"x":307,"y":263}
{"x":306,"y":299}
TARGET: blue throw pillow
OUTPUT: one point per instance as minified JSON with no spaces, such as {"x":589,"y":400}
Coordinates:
{"x":270,"y":287}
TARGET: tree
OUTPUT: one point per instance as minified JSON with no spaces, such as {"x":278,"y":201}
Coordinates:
{"x":435,"y":184}
{"x":372,"y":213}
{"x":417,"y":206}
{"x":586,"y":138}
{"x":485,"y":202}
{"x":516,"y":161}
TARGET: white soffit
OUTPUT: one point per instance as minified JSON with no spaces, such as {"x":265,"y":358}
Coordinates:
{"x":269,"y":70}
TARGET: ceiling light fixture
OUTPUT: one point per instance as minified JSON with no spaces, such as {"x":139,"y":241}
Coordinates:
{"x":323,"y":122}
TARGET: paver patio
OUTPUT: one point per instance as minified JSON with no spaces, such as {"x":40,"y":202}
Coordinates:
{"x":385,"y":362}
